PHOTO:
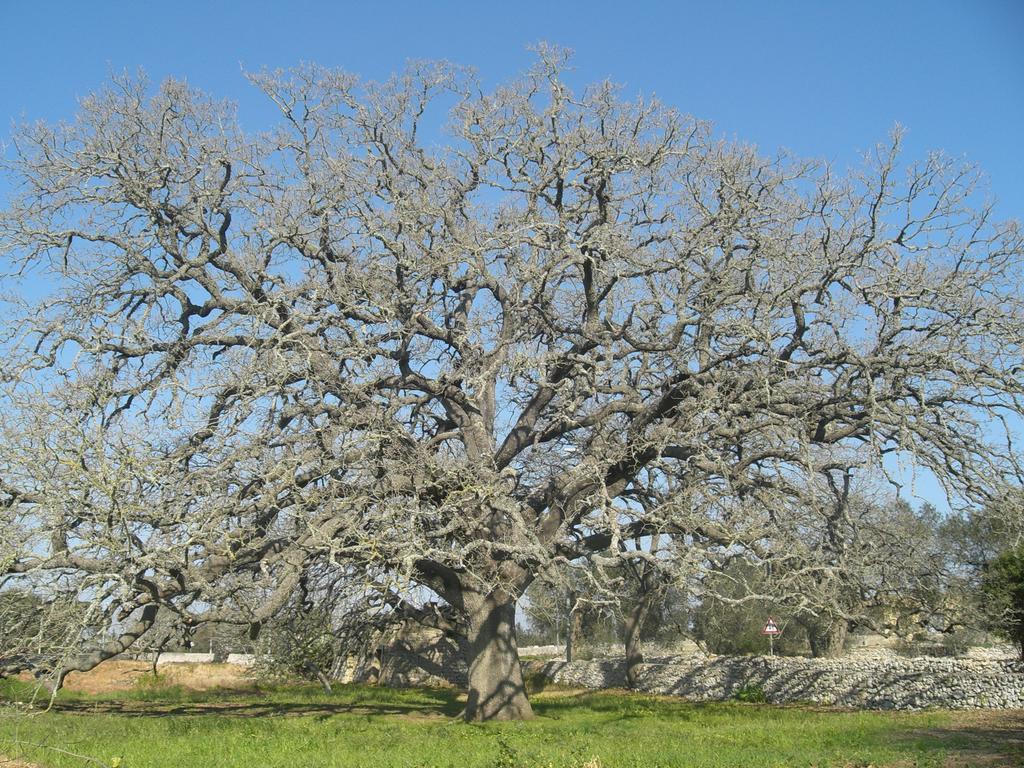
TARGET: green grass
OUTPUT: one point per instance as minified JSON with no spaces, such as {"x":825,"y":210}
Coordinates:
{"x":155,"y":726}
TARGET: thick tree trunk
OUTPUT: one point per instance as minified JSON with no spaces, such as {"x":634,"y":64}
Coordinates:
{"x":496,"y":689}
{"x":635,"y":620}
{"x":827,"y":638}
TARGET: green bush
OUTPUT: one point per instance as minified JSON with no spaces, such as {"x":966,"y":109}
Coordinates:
{"x":1003,"y":589}
{"x":751,"y":694}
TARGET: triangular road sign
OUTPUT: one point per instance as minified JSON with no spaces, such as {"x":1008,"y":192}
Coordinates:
{"x":771,"y":628}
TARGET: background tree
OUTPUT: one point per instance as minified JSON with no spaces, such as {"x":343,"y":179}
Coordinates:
{"x":23,"y":625}
{"x":342,"y":345}
{"x":647,"y":580}
{"x":850,"y":555}
{"x":574,"y":607}
{"x":979,"y":535}
{"x":40,"y":625}
{"x":299,"y":642}
{"x":968,"y":542}
{"x":735,"y":603}
{"x":1003,"y":588}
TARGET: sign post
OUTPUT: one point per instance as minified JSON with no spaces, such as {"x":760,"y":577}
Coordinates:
{"x":771,"y":629}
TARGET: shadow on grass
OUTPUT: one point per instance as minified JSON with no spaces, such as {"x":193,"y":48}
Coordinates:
{"x":554,"y":704}
{"x":427,"y":704}
{"x":620,"y":705}
{"x":980,"y":737}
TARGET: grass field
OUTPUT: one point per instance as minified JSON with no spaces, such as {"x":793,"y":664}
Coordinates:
{"x":154,"y":724}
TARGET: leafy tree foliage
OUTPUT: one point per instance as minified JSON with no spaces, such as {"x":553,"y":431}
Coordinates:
{"x":1003,"y":588}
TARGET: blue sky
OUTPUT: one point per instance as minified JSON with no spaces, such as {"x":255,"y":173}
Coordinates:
{"x":822,"y":79}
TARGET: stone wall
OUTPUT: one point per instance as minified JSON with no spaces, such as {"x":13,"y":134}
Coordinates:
{"x":542,"y":650}
{"x":182,"y":658}
{"x":420,"y":656}
{"x":871,"y":678}
{"x":863,"y":680}
{"x":897,"y":683}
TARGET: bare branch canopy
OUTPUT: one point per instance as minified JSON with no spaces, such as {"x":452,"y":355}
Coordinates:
{"x":457,"y":361}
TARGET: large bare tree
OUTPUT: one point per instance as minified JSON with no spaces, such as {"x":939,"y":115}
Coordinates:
{"x":451,"y":363}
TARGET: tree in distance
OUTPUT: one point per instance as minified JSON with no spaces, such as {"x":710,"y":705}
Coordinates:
{"x":1003,"y":588}
{"x":445,"y":365}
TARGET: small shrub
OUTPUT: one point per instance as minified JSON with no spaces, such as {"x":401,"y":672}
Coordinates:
{"x":751,"y":694}
{"x":157,"y":687}
{"x":960,"y":642}
{"x":151,"y":682}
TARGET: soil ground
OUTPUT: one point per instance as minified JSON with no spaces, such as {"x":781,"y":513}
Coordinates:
{"x":996,"y":737}
{"x":114,"y":676}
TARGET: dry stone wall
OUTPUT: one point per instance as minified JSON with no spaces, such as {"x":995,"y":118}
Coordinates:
{"x":423,"y":657}
{"x":869,"y":679}
{"x":862,"y":680}
{"x":896,"y":683}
